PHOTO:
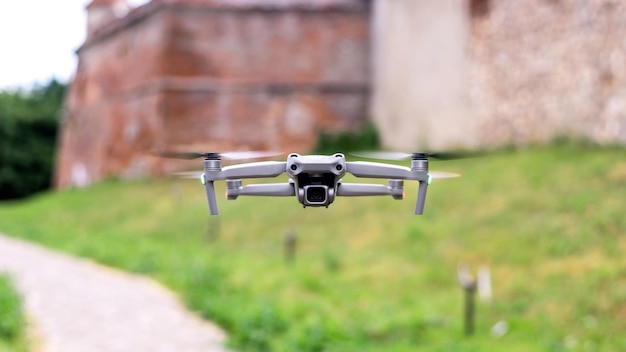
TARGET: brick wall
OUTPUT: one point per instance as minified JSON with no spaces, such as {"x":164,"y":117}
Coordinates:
{"x":213,"y":76}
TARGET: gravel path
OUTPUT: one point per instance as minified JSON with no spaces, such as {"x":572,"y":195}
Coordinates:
{"x":79,"y":306}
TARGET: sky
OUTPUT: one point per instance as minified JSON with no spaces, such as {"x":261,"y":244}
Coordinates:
{"x":38,"y":39}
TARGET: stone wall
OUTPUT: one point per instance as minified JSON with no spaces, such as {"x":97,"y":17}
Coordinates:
{"x":544,"y":68}
{"x":252,"y":74}
{"x":451,"y":73}
{"x":213,"y":76}
{"x":420,"y":73}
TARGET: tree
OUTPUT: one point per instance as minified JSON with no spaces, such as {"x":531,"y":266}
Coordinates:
{"x":28,"y":131}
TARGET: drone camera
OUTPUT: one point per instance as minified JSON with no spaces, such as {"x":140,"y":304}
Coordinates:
{"x":316,"y":195}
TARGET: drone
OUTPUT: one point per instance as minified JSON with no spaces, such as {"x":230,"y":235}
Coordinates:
{"x":315,"y":180}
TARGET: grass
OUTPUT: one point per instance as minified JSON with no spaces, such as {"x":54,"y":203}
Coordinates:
{"x":368,"y":274}
{"x":12,"y":320}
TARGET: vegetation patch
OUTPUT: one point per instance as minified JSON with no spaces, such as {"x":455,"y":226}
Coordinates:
{"x":367,"y":274}
{"x":366,"y":138}
{"x":28,"y":129}
{"x":12,"y":321}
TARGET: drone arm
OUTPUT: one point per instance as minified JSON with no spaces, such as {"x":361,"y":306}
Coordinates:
{"x":261,"y":169}
{"x":379,"y":170}
{"x":421,"y":197}
{"x":270,"y":189}
{"x":361,"y":189}
{"x":210,"y":196}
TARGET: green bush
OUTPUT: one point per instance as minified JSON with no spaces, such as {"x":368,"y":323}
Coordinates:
{"x":11,"y":316}
{"x":28,"y":130}
{"x":364,"y":139}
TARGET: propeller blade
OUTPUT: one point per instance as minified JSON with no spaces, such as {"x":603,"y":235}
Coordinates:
{"x":454,"y":155}
{"x":249,"y":155}
{"x":387,"y":155}
{"x":382,"y":155}
{"x":243,"y":155}
{"x":189,"y":174}
{"x":443,"y":174}
{"x":180,"y":155}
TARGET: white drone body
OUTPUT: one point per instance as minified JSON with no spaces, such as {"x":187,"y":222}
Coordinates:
{"x":316,"y":180}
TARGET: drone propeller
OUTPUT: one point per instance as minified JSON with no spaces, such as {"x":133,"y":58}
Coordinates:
{"x":443,"y":174}
{"x":189,"y":174}
{"x":245,"y":155}
{"x":386,"y":155}
{"x":433,"y":174}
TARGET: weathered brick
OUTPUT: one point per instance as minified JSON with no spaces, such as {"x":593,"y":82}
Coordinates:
{"x":212,"y":75}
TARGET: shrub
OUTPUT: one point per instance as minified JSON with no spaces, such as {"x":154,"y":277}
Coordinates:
{"x":11,"y":316}
{"x":364,"y":139}
{"x":28,"y":130}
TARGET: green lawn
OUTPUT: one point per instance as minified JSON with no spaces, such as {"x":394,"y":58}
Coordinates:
{"x":12,"y":319}
{"x":369,"y":275}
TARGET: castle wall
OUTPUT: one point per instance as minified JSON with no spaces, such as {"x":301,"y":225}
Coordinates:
{"x":270,"y":46}
{"x":420,"y":74}
{"x":543,"y":68}
{"x":112,"y":107}
{"x":492,"y":72}
{"x":265,"y":79}
{"x":192,"y":75}
{"x":206,"y":119}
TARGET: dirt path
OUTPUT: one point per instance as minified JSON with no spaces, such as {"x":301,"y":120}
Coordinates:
{"x":79,"y":306}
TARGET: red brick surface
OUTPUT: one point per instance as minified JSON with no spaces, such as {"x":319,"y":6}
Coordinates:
{"x":212,"y":76}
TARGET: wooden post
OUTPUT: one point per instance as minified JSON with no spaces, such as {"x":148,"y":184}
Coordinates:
{"x":468,"y":283}
{"x":470,"y":310}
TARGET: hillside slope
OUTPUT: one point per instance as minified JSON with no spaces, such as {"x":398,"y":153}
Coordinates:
{"x":368,"y":274}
